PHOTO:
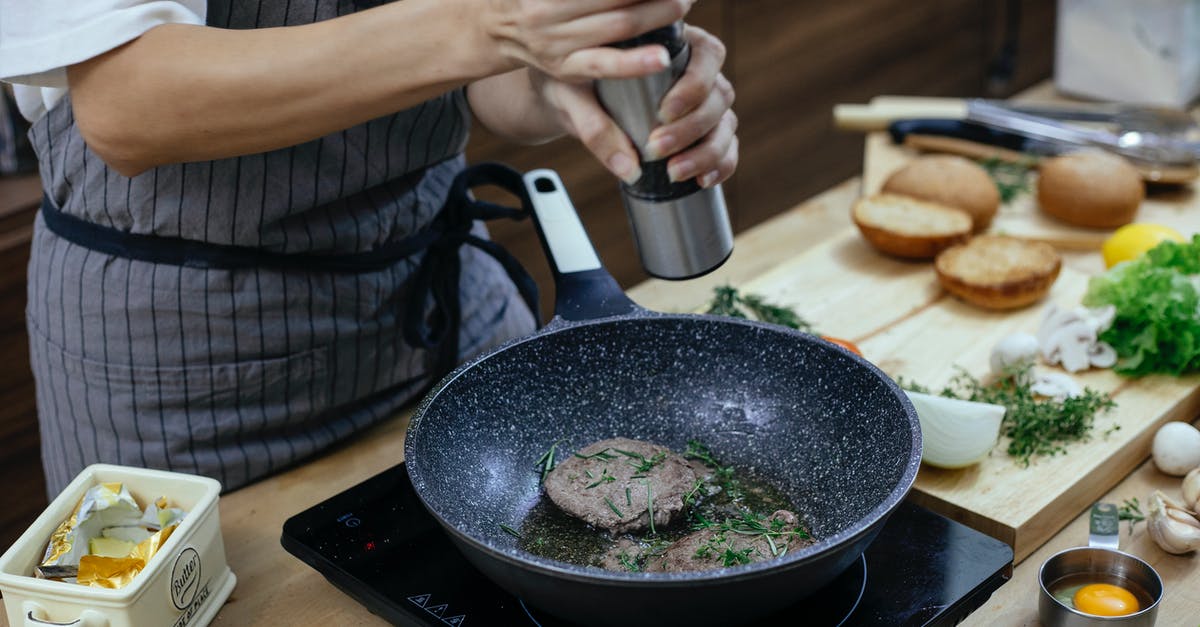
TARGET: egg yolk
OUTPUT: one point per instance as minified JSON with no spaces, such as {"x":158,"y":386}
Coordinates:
{"x":1103,"y":599}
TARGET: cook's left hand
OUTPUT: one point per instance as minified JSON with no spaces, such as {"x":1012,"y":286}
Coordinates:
{"x":695,"y":111}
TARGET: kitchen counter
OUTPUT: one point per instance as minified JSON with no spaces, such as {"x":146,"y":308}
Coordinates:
{"x":276,"y":588}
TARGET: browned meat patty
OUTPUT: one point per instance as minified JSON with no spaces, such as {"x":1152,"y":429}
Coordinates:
{"x":613,"y":484}
{"x":736,"y":542}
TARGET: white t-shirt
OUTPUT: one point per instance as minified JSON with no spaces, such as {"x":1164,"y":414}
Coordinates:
{"x":40,"y":38}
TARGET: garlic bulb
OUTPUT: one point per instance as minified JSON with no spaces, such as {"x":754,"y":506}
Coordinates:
{"x":1191,"y":489}
{"x":1172,"y":527}
{"x":956,"y":433}
{"x":1013,"y":351}
{"x":1070,"y":337}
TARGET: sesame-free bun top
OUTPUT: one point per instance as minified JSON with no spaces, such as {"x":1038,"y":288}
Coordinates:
{"x":1093,"y":189}
{"x":949,"y":180}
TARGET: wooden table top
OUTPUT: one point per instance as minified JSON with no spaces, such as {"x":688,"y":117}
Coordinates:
{"x":276,"y":588}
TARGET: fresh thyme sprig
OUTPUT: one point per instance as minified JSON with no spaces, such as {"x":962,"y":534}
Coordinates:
{"x":1035,"y":426}
{"x":728,"y":302}
{"x":1131,"y":510}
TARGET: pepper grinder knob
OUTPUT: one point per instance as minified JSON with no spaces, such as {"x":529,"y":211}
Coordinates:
{"x":681,"y":229}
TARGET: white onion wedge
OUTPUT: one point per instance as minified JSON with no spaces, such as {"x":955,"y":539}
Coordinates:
{"x":956,"y":433}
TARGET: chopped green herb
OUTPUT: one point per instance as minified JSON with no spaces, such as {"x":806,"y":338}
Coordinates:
{"x":604,"y":455}
{"x":628,"y":498}
{"x":1012,"y":179}
{"x":613,"y":507}
{"x":510,"y":531}
{"x":690,"y":497}
{"x":629,"y":564}
{"x":643,"y":464}
{"x":604,"y":478}
{"x":728,"y":302}
{"x":546,"y":461}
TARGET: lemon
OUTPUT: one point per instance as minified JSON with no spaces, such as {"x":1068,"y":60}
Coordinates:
{"x":1132,"y":240}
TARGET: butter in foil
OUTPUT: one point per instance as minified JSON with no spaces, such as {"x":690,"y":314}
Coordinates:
{"x":108,"y":539}
{"x":104,"y":505}
{"x":102,"y":571}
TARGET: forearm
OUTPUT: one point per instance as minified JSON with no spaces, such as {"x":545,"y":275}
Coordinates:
{"x":510,"y":106}
{"x":190,"y":93}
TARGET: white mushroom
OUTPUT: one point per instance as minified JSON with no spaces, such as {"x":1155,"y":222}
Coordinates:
{"x":1055,"y":385}
{"x":1176,"y":448}
{"x":1013,"y":351}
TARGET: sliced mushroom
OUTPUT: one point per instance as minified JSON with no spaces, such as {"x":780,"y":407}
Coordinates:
{"x":1102,"y":355}
{"x":1055,"y":385}
{"x":1070,"y":337}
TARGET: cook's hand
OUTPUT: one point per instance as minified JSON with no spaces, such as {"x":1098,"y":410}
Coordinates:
{"x":567,"y":39}
{"x":695,"y":111}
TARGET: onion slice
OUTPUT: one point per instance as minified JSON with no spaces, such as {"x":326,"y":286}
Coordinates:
{"x":956,"y":433}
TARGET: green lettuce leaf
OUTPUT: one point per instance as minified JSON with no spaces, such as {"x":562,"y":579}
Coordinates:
{"x":1157,"y":297}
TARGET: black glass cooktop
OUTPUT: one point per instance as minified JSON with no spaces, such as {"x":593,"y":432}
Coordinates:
{"x":377,"y":544}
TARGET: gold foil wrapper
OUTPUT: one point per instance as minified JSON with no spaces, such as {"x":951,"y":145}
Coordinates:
{"x":108,"y":516}
{"x":116,"y":572}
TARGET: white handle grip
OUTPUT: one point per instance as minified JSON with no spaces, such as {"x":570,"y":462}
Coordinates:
{"x":36,"y":616}
{"x":886,"y":109}
{"x":565,"y":236}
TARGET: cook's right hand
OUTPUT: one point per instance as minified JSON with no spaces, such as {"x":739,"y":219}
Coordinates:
{"x":567,"y":39}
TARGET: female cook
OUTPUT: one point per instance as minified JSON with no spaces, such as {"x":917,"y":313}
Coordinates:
{"x":223,"y":178}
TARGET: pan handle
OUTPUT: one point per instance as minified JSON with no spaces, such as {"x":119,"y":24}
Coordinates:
{"x":584,"y":290}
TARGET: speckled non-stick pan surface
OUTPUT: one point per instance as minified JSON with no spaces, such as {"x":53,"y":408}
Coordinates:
{"x":825,"y":426}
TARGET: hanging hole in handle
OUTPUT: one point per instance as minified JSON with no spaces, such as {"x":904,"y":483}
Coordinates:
{"x":544,"y":185}
{"x":37,"y":615}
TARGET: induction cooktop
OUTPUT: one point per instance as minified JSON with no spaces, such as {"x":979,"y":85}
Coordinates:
{"x":378,"y":544}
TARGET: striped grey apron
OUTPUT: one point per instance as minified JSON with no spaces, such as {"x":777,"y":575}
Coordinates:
{"x":237,"y":373}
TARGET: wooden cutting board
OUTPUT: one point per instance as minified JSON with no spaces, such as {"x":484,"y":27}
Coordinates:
{"x":902,"y":320}
{"x":1021,"y":217}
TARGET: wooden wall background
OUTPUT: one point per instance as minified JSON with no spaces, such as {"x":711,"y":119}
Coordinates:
{"x":790,"y":61}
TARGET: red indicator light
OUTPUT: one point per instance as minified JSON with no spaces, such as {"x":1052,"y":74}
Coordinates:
{"x":370,"y":545}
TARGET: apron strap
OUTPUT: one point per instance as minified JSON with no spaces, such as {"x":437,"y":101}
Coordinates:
{"x":436,"y":277}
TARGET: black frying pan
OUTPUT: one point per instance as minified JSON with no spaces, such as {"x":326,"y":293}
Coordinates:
{"x":827,"y":427}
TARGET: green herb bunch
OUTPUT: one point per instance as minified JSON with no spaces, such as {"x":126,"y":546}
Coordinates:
{"x":728,"y":302}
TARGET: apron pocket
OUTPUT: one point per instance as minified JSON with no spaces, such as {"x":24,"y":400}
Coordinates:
{"x":197,"y":417}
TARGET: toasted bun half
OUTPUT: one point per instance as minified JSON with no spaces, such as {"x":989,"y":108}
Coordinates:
{"x":909,"y":228}
{"x":998,"y":272}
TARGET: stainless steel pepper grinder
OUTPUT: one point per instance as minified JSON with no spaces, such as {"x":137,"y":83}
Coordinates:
{"x":681,"y":229}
